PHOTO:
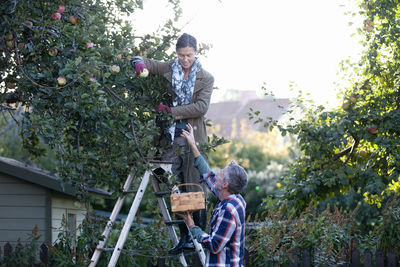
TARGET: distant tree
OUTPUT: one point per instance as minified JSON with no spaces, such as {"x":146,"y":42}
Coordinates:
{"x":353,"y":149}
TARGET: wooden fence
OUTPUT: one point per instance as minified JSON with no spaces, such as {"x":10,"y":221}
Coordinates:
{"x":303,"y":259}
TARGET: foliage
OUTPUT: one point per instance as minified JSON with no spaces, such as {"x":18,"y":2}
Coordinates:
{"x":280,"y":235}
{"x":387,"y":232}
{"x":354,"y":147}
{"x":11,"y":143}
{"x":24,"y":255}
{"x":99,"y":115}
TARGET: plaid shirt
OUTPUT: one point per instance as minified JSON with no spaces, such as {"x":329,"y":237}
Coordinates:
{"x":225,"y":240}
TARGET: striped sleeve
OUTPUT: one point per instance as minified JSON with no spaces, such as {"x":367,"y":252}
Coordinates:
{"x":225,"y":228}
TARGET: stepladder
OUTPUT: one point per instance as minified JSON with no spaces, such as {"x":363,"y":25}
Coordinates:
{"x":139,"y":193}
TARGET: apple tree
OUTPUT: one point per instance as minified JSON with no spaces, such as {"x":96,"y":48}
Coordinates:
{"x":354,"y":148}
{"x":67,"y":64}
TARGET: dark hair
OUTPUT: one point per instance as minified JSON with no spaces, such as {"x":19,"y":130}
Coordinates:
{"x":236,"y":177}
{"x":186,"y":40}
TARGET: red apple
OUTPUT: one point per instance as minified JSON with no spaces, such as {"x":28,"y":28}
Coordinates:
{"x":61,"y":81}
{"x":11,"y":85}
{"x":53,"y":52}
{"x":345,"y":106}
{"x":56,"y":16}
{"x":373,"y":130}
{"x":61,"y":9}
{"x":353,"y":99}
{"x":73,"y":20}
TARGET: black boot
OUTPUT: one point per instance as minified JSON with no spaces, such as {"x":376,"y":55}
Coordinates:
{"x":200,"y":218}
{"x":185,"y":243}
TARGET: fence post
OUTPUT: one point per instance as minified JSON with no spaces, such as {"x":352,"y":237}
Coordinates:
{"x":294,"y":259}
{"x":379,"y":258}
{"x":367,"y":258}
{"x":391,"y":258}
{"x":44,"y":254}
{"x":7,"y":249}
{"x":246,"y":258}
{"x":355,"y":258}
{"x":306,"y":258}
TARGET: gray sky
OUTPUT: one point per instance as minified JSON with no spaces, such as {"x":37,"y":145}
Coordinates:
{"x":268,"y":41}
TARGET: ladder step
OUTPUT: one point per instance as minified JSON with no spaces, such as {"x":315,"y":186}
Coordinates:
{"x":129,"y":191}
{"x":106,"y":249}
{"x":174,"y":222}
{"x":160,"y":194}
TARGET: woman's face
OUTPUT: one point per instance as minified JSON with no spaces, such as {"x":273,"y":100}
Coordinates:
{"x":186,"y":56}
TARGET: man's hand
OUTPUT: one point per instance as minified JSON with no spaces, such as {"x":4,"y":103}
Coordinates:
{"x":187,"y":217}
{"x":188,"y":134}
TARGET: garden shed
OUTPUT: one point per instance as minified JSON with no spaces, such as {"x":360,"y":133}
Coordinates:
{"x":31,"y":196}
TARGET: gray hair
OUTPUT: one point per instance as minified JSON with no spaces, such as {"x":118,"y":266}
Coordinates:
{"x":236,"y":177}
{"x":186,"y":40}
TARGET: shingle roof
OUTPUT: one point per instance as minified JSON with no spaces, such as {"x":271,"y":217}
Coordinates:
{"x":225,"y":113}
{"x":40,"y":177}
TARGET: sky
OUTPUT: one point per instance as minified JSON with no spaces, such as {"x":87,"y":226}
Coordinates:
{"x":269,"y":43}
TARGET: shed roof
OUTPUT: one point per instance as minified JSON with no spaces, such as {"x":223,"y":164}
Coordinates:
{"x":40,"y":177}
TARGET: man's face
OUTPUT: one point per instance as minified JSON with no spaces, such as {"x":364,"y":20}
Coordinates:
{"x":186,"y":56}
{"x":220,"y":181}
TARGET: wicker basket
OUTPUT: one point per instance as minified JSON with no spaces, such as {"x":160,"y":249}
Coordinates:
{"x":187,"y":201}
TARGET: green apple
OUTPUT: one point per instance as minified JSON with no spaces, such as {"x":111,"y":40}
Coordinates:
{"x":144,"y":73}
{"x":363,"y":153}
{"x":10,"y":44}
{"x":73,"y":20}
{"x":9,"y":36}
{"x":53,"y":52}
{"x":61,"y":81}
{"x":115,"y":68}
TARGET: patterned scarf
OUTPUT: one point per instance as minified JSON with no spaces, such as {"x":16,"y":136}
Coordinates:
{"x":183,"y":88}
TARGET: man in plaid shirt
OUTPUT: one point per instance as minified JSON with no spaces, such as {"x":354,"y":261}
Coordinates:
{"x":225,"y":240}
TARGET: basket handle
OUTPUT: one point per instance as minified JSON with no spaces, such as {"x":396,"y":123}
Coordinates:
{"x":176,"y":187}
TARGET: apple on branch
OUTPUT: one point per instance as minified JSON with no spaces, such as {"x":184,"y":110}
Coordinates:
{"x":53,"y":52}
{"x":61,"y":9}
{"x":372,"y":130}
{"x":56,"y":16}
{"x":61,"y":81}
{"x":115,"y":68}
{"x":73,"y":20}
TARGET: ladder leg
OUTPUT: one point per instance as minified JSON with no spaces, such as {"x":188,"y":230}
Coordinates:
{"x":167,"y":217}
{"x":199,"y":249}
{"x":117,"y":208}
{"x":129,"y":220}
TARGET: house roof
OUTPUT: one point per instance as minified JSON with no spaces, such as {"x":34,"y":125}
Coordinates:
{"x":40,"y":177}
{"x":224,"y":113}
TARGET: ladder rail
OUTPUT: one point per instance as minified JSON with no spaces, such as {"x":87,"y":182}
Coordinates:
{"x":167,"y":217}
{"x":128,"y":223}
{"x":107,"y":230}
{"x":131,"y":215}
